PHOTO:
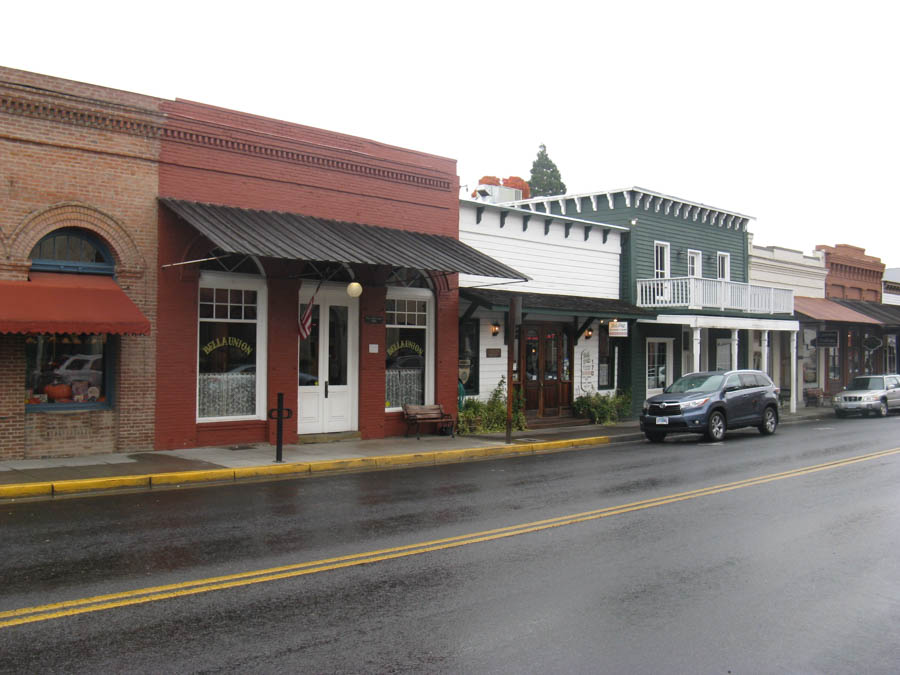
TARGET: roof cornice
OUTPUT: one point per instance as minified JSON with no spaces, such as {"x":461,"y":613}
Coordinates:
{"x":504,"y":206}
{"x":637,"y":198}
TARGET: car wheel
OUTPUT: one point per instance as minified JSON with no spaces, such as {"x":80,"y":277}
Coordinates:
{"x":840,"y":413}
{"x":655,"y":436}
{"x":882,"y":409}
{"x":769,"y":421}
{"x":715,"y":427}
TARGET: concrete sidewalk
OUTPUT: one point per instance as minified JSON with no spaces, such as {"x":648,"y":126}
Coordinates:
{"x":46,"y":478}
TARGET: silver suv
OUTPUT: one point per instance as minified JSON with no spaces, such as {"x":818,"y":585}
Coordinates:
{"x":877,"y":394}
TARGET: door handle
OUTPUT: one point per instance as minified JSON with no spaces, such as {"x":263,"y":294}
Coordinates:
{"x":326,"y":389}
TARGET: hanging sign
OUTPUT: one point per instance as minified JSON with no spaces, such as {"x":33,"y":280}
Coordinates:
{"x":871,"y":343}
{"x":826,"y":338}
{"x":618,"y":328}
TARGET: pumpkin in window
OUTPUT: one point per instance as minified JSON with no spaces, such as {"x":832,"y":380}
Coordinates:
{"x":59,"y":391}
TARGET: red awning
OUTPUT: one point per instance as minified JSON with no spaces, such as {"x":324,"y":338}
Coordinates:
{"x":69,"y":303}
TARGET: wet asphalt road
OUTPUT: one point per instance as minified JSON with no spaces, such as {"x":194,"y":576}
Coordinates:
{"x":797,"y":574}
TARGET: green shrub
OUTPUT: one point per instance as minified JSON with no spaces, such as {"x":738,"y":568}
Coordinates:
{"x":476,"y":417}
{"x":603,"y":408}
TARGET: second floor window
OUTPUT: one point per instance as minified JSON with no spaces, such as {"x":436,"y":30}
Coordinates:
{"x":724,"y":266}
{"x":661,"y":258}
{"x":695,"y":264}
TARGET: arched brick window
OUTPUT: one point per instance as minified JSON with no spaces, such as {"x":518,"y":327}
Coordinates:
{"x":69,"y":369}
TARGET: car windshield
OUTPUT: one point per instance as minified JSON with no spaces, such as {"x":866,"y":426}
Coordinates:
{"x":872,"y":383}
{"x":695,"y":383}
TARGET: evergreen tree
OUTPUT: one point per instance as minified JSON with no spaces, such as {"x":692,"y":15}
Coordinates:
{"x":545,"y":179}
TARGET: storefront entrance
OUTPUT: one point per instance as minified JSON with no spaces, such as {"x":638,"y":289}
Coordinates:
{"x":547,"y":372}
{"x":328,"y":363}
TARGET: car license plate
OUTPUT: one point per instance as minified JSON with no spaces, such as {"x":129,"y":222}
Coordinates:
{"x":851,"y":405}
{"x":662,"y":420}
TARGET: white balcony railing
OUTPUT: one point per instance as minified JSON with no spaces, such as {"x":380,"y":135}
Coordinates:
{"x":695,"y":293}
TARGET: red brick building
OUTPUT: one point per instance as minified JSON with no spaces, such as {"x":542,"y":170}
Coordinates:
{"x":212,"y":230}
{"x":78,"y":166}
{"x":852,"y":275}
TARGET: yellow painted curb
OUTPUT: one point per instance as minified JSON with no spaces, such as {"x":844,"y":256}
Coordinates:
{"x":179,"y":477}
{"x":519,"y":449}
{"x":570,"y":443}
{"x":26,"y":490}
{"x":342,"y":464}
{"x":409,"y":458}
{"x":273,"y":470}
{"x":90,"y":484}
{"x":459,"y":455}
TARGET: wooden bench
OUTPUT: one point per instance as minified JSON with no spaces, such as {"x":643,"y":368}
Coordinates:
{"x":813,"y":397}
{"x":428,"y":414}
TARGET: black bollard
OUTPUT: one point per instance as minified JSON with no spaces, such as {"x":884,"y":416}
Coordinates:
{"x":280,"y":414}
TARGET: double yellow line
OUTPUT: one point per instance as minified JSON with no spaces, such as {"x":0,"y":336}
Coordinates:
{"x":152,"y":594}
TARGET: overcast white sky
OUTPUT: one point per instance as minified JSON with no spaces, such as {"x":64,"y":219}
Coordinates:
{"x":786,"y":111}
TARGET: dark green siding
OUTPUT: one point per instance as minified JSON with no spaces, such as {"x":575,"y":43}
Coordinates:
{"x":680,"y":233}
{"x":637,"y":262}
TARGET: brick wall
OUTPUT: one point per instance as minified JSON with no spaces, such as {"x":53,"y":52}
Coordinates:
{"x":12,"y":396}
{"x":226,"y":157}
{"x":76,"y":155}
{"x":852,"y":274}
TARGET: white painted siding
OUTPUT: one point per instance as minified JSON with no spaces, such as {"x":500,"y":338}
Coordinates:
{"x":557,"y":264}
{"x":890,"y":298}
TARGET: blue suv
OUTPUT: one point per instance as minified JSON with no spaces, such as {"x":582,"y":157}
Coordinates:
{"x":711,"y":402}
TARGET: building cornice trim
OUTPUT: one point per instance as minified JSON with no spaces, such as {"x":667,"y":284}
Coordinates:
{"x":163,"y":130}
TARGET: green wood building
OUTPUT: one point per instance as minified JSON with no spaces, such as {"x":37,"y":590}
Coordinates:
{"x":688,"y":262}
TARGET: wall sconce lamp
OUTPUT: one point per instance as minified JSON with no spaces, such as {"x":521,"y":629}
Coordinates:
{"x":354,"y":289}
{"x":495,"y":329}
{"x":589,"y":333}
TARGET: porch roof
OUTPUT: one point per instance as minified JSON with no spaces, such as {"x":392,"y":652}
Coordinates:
{"x":889,"y":315}
{"x":543,"y":303}
{"x":825,"y":309}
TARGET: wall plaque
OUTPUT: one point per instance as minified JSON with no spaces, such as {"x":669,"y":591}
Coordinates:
{"x":492,"y":353}
{"x":618,"y":329}
{"x":374,"y":318}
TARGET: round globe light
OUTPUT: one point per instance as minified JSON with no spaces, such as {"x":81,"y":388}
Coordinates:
{"x":354,"y":289}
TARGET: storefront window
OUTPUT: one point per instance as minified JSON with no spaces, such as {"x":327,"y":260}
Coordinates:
{"x":551,"y":355}
{"x":65,"y":369}
{"x":68,"y":369}
{"x":228,"y":358}
{"x":407,"y":350}
{"x":309,"y":353}
{"x":469,"y":356}
{"x":809,"y":358}
{"x":890,"y":350}
{"x":531,"y":355}
{"x":854,"y":361}
{"x":658,"y":357}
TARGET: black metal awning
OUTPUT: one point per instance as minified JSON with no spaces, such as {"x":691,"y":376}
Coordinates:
{"x":887,"y":315}
{"x":275,"y":234}
{"x":542,"y":303}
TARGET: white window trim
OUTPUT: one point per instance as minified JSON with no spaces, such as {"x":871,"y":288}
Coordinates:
{"x":669,"y":342}
{"x":698,"y":268}
{"x":727,"y":256}
{"x":399,"y":293}
{"x":244,"y":282}
{"x":668,"y":249}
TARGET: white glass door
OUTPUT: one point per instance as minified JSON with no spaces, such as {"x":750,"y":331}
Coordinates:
{"x":328,"y":364}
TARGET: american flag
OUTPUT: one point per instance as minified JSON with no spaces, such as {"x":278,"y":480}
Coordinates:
{"x":305,"y":323}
